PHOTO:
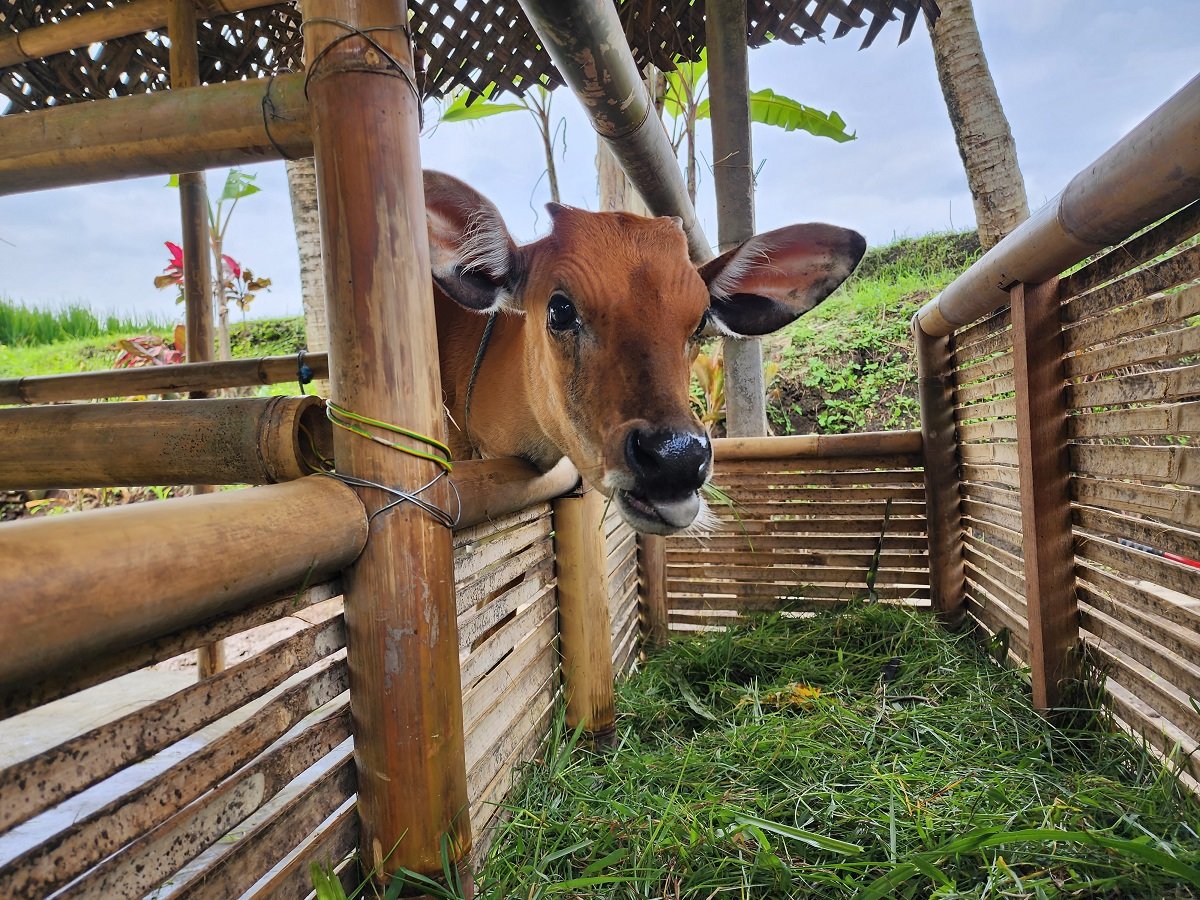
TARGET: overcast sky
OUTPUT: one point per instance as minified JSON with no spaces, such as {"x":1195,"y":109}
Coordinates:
{"x":1073,"y":75}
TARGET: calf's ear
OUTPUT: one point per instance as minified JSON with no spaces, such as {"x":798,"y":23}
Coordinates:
{"x":775,"y":277}
{"x":471,"y":253}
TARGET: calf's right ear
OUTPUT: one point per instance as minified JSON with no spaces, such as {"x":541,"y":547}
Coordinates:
{"x":471,"y":253}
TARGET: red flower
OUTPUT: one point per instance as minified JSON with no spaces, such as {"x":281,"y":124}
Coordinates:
{"x":176,"y":255}
{"x":234,"y":267}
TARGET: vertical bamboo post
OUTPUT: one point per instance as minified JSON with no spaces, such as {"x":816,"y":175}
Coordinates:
{"x":584,"y":626}
{"x":733,"y":174}
{"x":406,"y":695}
{"x":652,"y":578}
{"x":184,"y":62}
{"x":943,"y":487}
{"x":1044,"y":465}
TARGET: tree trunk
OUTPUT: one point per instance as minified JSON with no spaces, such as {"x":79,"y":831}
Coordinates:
{"x":224,"y":349}
{"x":981,"y":130}
{"x":302,"y":185}
{"x":616,"y":192}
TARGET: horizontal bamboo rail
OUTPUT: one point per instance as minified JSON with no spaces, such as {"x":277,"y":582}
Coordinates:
{"x":207,"y":376}
{"x":244,"y":441}
{"x":492,"y":488}
{"x":1152,"y":171}
{"x":869,"y":443}
{"x":106,"y":23}
{"x":91,"y":583}
{"x":155,"y":134}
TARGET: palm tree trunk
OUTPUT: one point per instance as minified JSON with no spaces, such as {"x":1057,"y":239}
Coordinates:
{"x":302,"y":186}
{"x":981,"y":130}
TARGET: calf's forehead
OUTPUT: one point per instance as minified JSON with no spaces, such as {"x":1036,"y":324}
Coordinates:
{"x":619,"y":263}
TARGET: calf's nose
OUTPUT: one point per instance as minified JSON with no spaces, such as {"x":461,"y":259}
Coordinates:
{"x":668,"y":463}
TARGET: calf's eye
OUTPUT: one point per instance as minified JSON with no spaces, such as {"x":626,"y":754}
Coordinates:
{"x":561,"y":314}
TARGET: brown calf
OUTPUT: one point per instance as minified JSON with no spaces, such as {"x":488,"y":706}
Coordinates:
{"x":589,"y":357}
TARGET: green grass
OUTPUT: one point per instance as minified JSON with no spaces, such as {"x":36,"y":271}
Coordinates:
{"x":29,"y":326}
{"x":847,"y":365}
{"x":918,"y":770}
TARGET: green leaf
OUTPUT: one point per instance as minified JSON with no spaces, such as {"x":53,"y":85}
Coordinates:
{"x":676,"y":93}
{"x":820,"y":841}
{"x":173,"y":181}
{"x":778,"y":111}
{"x":238,"y":185}
{"x":458,"y":111}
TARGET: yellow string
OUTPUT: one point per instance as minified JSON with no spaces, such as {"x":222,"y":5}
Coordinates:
{"x":352,"y":422}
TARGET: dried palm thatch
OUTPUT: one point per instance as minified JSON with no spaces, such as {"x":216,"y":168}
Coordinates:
{"x":487,"y":46}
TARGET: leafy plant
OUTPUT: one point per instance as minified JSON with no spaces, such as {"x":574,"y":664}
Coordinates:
{"x":151,"y":350}
{"x":685,"y":102}
{"x":233,"y":283}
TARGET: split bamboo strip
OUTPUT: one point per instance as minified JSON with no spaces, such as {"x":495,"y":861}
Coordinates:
{"x":803,"y":465}
{"x":242,"y":441}
{"x":154,"y":857}
{"x":1171,"y":272}
{"x":967,"y":337}
{"x":1171,"y":505}
{"x":1144,"y":531}
{"x":1143,"y":315}
{"x":172,"y":379}
{"x":1004,"y":408}
{"x":1180,"y":609}
{"x":1173,"y":465}
{"x":77,"y":603}
{"x":867,"y":444}
{"x":1166,"y":738}
{"x":85,"y":673}
{"x":330,"y":845}
{"x":1145,"y":247}
{"x":154,"y":134}
{"x":1150,"y":569}
{"x":583,"y":612}
{"x":1149,"y":173}
{"x":983,"y":390}
{"x":103,"y":24}
{"x":76,"y":764}
{"x":258,"y":850}
{"x":726,"y":542}
{"x":1145,"y":387}
{"x":1168,"y":649}
{"x":1155,"y":348}
{"x":1175,"y":419}
{"x":1003,"y":475}
{"x":400,"y":605}
{"x":996,"y":342}
{"x":101,"y":833}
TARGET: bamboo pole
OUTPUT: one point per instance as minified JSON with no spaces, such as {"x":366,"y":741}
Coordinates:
{"x":103,"y":24}
{"x":184,"y":64}
{"x":867,"y":443}
{"x":154,"y":134}
{"x":587,"y":43}
{"x":1152,"y":171}
{"x":733,"y":175}
{"x":1044,"y":468}
{"x":652,"y":584}
{"x":400,"y":603}
{"x":111,"y":578}
{"x":493,"y":488}
{"x":158,"y":379}
{"x":163,"y":442}
{"x":584,"y":627}
{"x":943,"y":486}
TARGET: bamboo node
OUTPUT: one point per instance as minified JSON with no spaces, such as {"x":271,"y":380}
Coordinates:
{"x":394,"y":68}
{"x":270,"y":113}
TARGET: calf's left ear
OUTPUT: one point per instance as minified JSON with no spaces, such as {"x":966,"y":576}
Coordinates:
{"x":775,"y":277}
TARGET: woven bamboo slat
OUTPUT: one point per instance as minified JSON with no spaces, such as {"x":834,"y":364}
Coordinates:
{"x":1174,"y":465}
{"x":775,"y":557}
{"x":1004,"y":454}
{"x":1156,"y":348}
{"x":83,"y":761}
{"x":984,"y":390}
{"x":1003,"y":408}
{"x":329,"y":846}
{"x":476,"y":45}
{"x":1144,"y":531}
{"x":996,"y":496}
{"x":983,"y":349}
{"x":1133,"y":253}
{"x":158,"y":854}
{"x":1173,"y":506}
{"x":1148,"y":599}
{"x":997,"y":535}
{"x":1008,"y":476}
{"x":1145,"y":387}
{"x":1144,"y":315}
{"x":780,"y":467}
{"x":1171,"y":272}
{"x":991,"y":367}
{"x":89,"y":672}
{"x":1169,"y":649}
{"x":993,"y":323}
{"x":1164,"y":573}
{"x":68,"y":854}
{"x":1161,"y":734}
{"x":1172,"y":419}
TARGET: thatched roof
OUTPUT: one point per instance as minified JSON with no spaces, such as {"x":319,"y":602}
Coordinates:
{"x":475,"y":44}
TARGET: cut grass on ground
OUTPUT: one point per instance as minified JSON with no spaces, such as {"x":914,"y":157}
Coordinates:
{"x":865,"y":754}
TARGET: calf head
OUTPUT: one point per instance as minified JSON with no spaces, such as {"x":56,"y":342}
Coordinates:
{"x":612,"y":309}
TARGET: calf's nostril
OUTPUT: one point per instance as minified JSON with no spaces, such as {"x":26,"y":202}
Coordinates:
{"x":668,"y":462}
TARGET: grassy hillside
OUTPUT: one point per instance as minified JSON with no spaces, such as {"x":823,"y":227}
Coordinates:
{"x":847,"y":365}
